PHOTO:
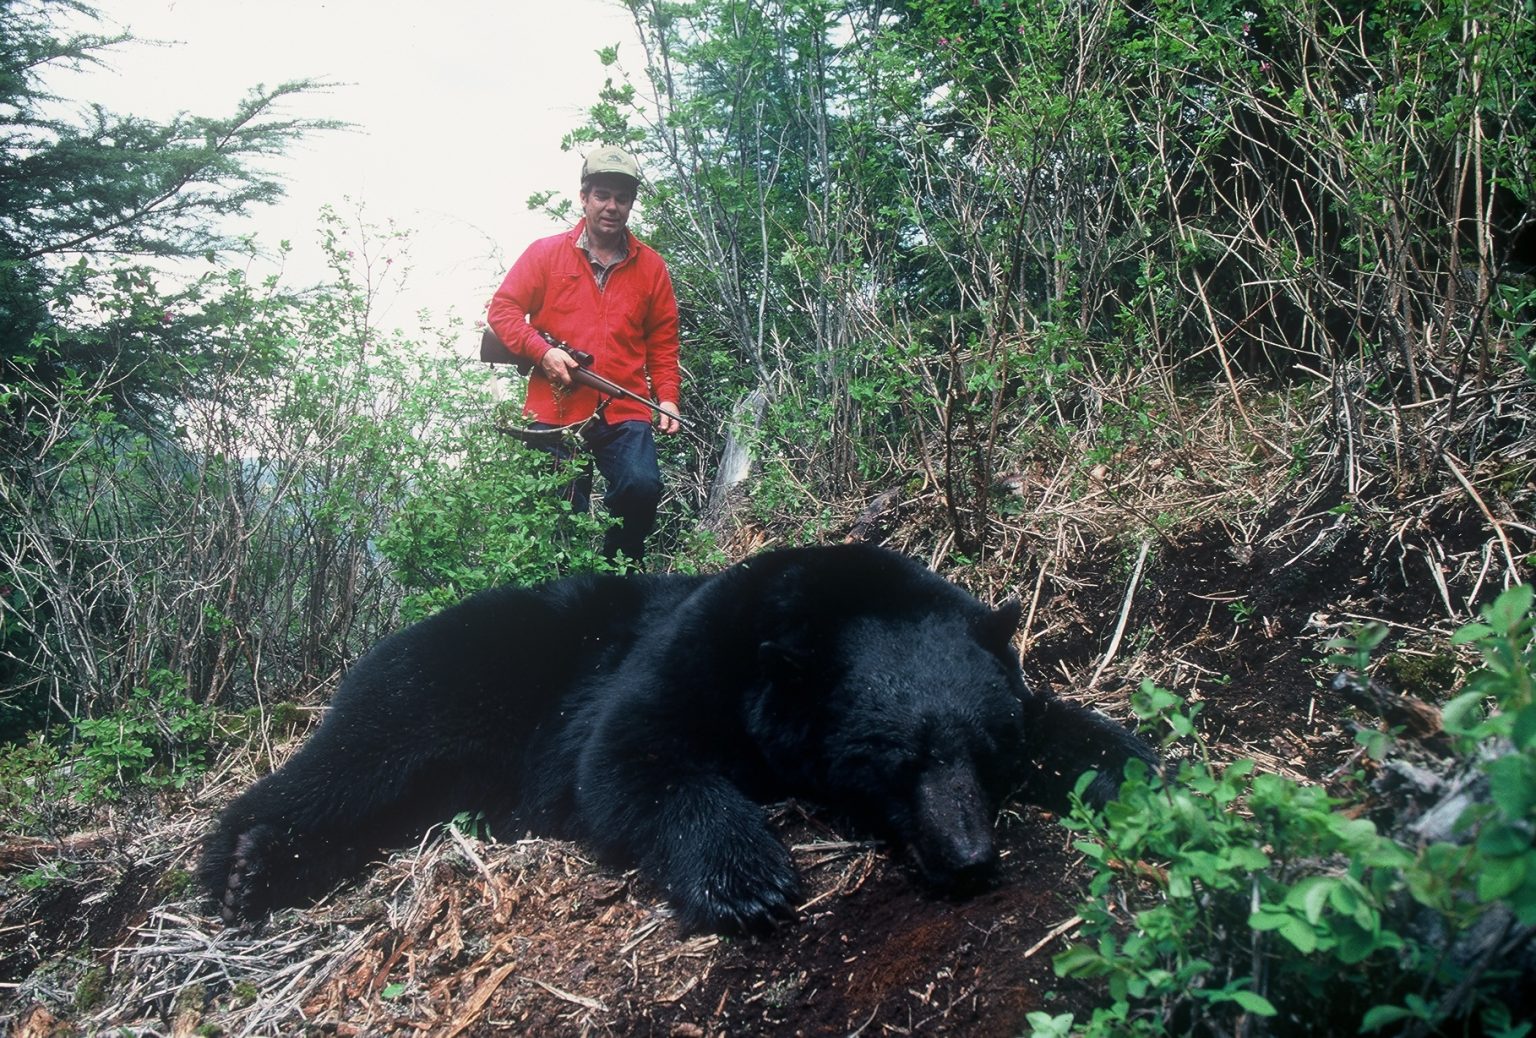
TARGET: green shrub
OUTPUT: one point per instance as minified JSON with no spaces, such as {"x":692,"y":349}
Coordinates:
{"x":27,"y":772}
{"x":1264,"y":906}
{"x":158,"y":738}
{"x":484,"y":511}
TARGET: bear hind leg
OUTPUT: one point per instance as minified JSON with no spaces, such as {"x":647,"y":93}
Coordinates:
{"x":252,"y":865}
{"x":299,"y":831}
{"x":242,"y":881}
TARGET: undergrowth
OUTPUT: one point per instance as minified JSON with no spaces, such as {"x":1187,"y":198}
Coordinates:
{"x":1259,"y":905}
{"x":159,"y":738}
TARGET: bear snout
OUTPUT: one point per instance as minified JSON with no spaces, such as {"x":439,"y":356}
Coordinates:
{"x":953,"y":843}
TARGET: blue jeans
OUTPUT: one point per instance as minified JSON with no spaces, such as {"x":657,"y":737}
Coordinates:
{"x":625,"y":453}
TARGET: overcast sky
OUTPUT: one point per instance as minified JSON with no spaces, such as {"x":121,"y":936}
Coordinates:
{"x":459,"y":109}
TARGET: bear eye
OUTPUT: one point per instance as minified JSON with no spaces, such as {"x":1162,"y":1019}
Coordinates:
{"x":880,"y":757}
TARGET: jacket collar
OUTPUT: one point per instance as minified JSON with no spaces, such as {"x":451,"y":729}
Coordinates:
{"x":632,"y":244}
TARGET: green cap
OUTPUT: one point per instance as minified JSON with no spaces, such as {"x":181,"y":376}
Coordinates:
{"x":608,"y":159}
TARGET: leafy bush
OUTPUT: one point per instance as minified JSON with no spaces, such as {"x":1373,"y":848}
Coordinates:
{"x":159,"y":737}
{"x":486,"y":511}
{"x":27,"y":771}
{"x":1268,"y":906}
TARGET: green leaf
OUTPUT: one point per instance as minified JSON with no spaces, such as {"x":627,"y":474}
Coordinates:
{"x":1457,"y":715}
{"x":1044,"y":1025}
{"x":1354,"y":832}
{"x":1512,"y":782}
{"x":1523,"y":733}
{"x":1503,"y":841}
{"x":1349,"y":899}
{"x":1254,"y":1003}
{"x":1265,"y":919}
{"x":1510,"y":608}
{"x":1080,"y":960}
{"x":1250,"y":859}
{"x":1499,"y":878}
{"x":1180,"y":885}
{"x":1378,"y":1017}
{"x":1300,"y":933}
{"x":1311,"y":896}
{"x":1354,"y":945}
{"x":1471,"y":633}
{"x":1386,"y":855}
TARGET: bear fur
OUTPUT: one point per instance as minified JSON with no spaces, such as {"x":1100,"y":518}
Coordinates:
{"x":649,"y":717}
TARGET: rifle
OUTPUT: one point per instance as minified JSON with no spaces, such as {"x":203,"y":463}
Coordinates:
{"x":494,"y":351}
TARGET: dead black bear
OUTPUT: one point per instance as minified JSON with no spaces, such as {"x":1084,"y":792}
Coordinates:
{"x":648,"y":717}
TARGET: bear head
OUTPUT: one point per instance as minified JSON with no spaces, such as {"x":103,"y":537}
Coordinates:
{"x":907,"y":719}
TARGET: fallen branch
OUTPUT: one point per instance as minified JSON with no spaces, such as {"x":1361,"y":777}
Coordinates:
{"x":26,"y":850}
{"x":575,"y":999}
{"x":1056,"y":931}
{"x":1125,"y":613}
{"x":472,"y":1008}
{"x":1512,"y":572}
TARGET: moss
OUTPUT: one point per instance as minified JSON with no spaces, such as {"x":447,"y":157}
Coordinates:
{"x":190,"y":998}
{"x":280,"y":718}
{"x":174,"y":883}
{"x":188,"y":1009}
{"x":91,"y":990}
{"x":1430,"y":677}
{"x":287,"y":718}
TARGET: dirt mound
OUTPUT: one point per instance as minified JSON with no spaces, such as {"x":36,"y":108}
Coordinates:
{"x":466,"y":938}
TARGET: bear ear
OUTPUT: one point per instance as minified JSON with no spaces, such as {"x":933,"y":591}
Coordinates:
{"x":782,"y":664}
{"x":995,"y":630}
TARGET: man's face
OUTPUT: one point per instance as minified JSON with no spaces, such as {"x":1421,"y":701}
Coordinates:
{"x":606,"y":202}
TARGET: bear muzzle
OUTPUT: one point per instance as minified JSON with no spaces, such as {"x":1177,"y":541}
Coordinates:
{"x":953,"y":842}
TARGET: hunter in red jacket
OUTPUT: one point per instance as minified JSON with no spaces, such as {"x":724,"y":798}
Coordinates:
{"x":602,"y":290}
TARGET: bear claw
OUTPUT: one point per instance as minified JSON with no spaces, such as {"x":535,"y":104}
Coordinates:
{"x":750,"y":894}
{"x":237,"y":900}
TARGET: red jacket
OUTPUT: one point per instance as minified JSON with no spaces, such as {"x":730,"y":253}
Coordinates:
{"x":630,"y":327}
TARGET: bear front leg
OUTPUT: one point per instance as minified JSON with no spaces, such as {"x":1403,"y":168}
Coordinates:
{"x":699,"y":839}
{"x":730,"y":874}
{"x":1065,"y":741}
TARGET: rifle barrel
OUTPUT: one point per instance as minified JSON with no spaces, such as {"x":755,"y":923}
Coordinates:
{"x":595,"y":381}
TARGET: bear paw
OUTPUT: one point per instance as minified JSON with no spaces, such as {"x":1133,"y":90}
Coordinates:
{"x":747,"y":886}
{"x":245,"y":887}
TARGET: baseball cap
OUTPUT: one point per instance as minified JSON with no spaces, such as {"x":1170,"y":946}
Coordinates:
{"x":610,"y":160}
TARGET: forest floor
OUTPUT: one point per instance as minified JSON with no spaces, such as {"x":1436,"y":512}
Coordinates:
{"x":1231,"y":608}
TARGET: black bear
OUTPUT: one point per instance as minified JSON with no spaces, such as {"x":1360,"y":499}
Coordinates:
{"x":649,"y":717}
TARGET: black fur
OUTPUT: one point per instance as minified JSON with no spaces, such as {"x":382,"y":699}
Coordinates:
{"x":650,"y":717}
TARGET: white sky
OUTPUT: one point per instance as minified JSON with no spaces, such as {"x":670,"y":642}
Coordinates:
{"x":459,"y":109}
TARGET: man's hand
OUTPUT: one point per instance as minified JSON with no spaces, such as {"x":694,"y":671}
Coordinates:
{"x":666,"y":420}
{"x":557,"y":366}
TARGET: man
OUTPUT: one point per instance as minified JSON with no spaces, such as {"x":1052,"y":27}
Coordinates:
{"x":602,"y":290}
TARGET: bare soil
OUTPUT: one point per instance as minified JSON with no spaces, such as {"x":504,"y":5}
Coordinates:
{"x":461,"y":937}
